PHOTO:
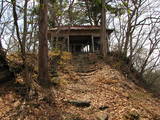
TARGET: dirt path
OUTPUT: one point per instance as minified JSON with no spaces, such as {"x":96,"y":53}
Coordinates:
{"x":109,"y":93}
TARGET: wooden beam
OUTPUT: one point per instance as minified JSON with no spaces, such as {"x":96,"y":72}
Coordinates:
{"x":68,"y":45}
{"x":76,"y":33}
{"x":92,"y":43}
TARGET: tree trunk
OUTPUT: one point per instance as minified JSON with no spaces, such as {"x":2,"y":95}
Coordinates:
{"x":15,"y":17}
{"x":22,"y":40}
{"x":103,"y":41}
{"x":0,"y":45}
{"x":43,"y":44}
{"x":127,"y":39}
{"x":129,"y":31}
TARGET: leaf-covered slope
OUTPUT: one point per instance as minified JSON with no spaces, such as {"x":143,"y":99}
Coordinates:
{"x":88,"y":89}
{"x":91,"y":80}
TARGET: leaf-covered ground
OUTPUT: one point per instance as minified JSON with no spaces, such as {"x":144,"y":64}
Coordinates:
{"x":103,"y":86}
{"x":83,"y":78}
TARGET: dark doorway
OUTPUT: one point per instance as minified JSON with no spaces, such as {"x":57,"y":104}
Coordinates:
{"x":80,"y":43}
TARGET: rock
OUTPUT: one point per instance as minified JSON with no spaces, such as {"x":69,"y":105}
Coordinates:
{"x":5,"y":73}
{"x":103,"y":108}
{"x":80,"y":103}
{"x":132,"y":115}
{"x":101,"y":116}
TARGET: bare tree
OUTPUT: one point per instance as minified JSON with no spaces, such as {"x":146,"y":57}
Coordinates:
{"x":22,"y":40}
{"x":136,"y":31}
{"x":17,"y":26}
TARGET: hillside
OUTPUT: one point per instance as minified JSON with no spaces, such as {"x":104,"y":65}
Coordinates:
{"x":86,"y":88}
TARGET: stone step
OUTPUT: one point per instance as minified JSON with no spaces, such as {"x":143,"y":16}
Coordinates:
{"x":86,"y":74}
{"x":82,"y":104}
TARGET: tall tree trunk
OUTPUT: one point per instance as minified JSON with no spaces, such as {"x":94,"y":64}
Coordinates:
{"x":103,"y":41}
{"x":15,"y":17}
{"x":0,"y":45}
{"x":43,"y":44}
{"x":0,"y":21}
{"x":22,"y":40}
{"x":129,"y":31}
{"x":127,"y":39}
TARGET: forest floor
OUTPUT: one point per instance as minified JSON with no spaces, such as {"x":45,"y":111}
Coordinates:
{"x":88,"y":89}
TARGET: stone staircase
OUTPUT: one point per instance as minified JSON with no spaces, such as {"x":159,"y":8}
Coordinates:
{"x":85,"y":65}
{"x":80,"y":92}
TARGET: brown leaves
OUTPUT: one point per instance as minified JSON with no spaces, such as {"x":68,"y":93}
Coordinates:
{"x":85,"y":80}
